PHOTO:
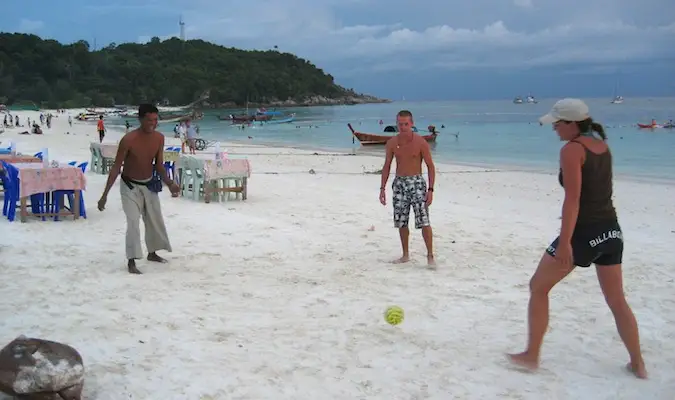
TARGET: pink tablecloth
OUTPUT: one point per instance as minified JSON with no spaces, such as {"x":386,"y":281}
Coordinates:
{"x":12,"y":159}
{"x":109,"y":150}
{"x":35,"y":178}
{"x":227,"y":168}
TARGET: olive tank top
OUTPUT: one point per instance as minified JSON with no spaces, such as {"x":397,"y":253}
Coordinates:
{"x":595,"y":204}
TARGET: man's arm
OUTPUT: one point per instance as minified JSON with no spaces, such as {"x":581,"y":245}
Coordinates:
{"x":159,"y":162}
{"x":431,"y":168}
{"x":116,"y":168}
{"x":389,"y":149}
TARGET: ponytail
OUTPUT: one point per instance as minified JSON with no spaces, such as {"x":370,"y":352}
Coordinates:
{"x":588,"y":125}
{"x":599,"y":129}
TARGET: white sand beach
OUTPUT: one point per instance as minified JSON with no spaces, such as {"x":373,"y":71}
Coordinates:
{"x":282,"y":296}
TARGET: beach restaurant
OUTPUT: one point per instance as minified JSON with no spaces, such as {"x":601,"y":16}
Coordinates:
{"x":51,"y":189}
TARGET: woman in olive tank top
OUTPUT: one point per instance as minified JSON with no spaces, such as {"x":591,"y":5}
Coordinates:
{"x":589,"y":233}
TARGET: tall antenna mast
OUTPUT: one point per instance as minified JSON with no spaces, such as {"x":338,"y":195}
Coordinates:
{"x":181,"y":23}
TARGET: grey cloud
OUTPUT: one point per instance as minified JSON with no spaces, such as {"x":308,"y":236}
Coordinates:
{"x":450,"y":34}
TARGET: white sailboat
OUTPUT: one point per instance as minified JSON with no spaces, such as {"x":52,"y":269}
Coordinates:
{"x":617,"y":99}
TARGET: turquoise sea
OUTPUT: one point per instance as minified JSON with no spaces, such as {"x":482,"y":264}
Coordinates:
{"x":490,"y":132}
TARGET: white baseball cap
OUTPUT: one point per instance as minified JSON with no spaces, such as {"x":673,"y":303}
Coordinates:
{"x":573,"y":110}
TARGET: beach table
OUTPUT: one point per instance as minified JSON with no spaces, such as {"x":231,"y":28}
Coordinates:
{"x":102,"y":156}
{"x":106,"y":153}
{"x":18,"y":158}
{"x":108,"y":150}
{"x":34,"y":178}
{"x":214,"y":176}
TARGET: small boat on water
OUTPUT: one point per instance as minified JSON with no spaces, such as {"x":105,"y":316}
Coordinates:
{"x":286,"y":120}
{"x":243,"y":118}
{"x":88,"y":116}
{"x":368,"y":139}
{"x":529,"y":100}
{"x":264,"y":111}
{"x":654,"y":125}
{"x":617,"y":100}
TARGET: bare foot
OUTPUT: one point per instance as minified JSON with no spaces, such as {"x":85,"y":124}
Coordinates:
{"x":523,"y":361}
{"x":431,"y":262}
{"x":132,"y":268}
{"x":155,"y":258}
{"x":403,"y":259}
{"x":638,"y":370}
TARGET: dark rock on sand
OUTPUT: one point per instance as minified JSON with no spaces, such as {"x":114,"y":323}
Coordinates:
{"x":37,"y":369}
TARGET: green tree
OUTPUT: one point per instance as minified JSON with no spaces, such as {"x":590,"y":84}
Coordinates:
{"x":33,"y":69}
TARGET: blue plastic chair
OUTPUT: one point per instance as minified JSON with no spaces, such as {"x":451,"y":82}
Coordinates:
{"x":170,"y":166}
{"x":10,"y":180}
{"x":9,"y":189}
{"x":58,"y":197}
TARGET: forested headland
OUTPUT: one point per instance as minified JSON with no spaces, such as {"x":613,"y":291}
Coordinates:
{"x":172,"y":72}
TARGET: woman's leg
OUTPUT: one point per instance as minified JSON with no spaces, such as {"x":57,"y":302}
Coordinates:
{"x":611,"y":283}
{"x":548,"y":274}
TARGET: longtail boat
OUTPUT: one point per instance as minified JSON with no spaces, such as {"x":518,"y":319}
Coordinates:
{"x":243,"y":118}
{"x":240,"y":118}
{"x":262,"y":117}
{"x":286,"y":120}
{"x":368,"y":139}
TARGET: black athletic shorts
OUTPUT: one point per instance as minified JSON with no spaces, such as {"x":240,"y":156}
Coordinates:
{"x":599,"y":243}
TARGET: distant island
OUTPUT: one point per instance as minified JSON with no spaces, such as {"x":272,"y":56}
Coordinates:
{"x":170,"y":72}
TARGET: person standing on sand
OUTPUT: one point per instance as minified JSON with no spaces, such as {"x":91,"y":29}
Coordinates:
{"x":191,"y":134}
{"x":409,"y":186}
{"x":182,"y":133}
{"x":101,"y":129}
{"x":589,"y":233}
{"x":138,"y":151}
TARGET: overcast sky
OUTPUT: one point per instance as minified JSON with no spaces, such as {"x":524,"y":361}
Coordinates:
{"x":436,"y":49}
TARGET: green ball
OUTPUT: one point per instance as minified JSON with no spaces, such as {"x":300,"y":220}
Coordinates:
{"x":394,"y":315}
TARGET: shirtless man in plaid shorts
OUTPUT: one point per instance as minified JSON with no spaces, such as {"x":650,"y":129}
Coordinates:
{"x":409,"y":187}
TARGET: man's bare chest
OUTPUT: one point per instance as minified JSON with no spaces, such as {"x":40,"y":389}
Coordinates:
{"x":409,"y":151}
{"x":142,"y":152}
